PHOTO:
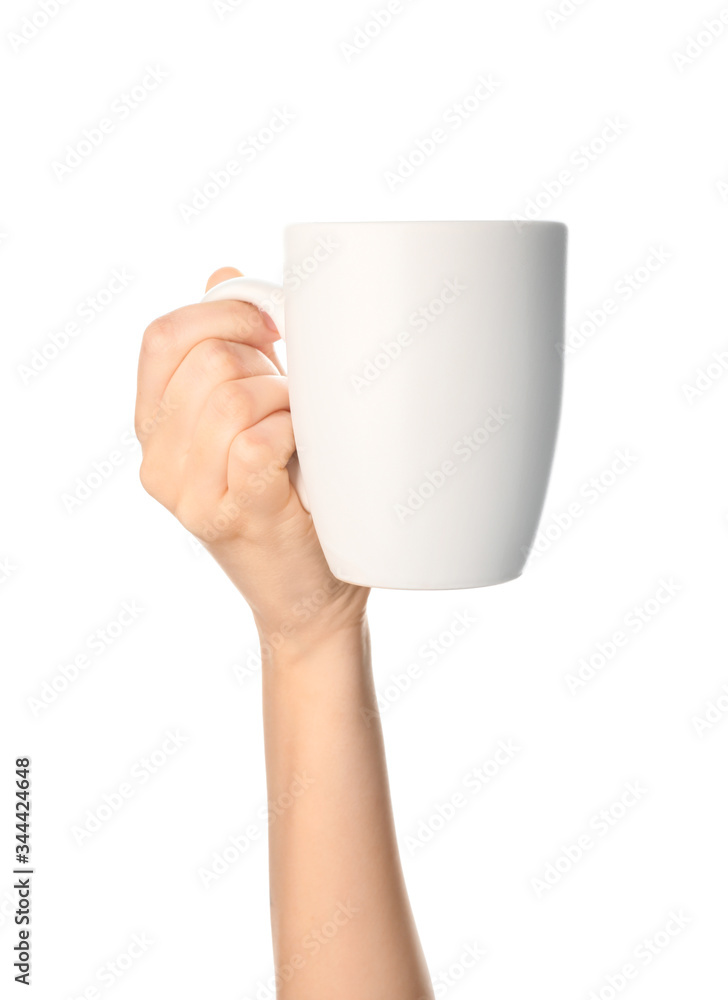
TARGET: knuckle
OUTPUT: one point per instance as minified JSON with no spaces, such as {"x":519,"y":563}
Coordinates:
{"x":217,"y":357}
{"x":231,"y":401}
{"x":160,"y":334}
{"x":150,"y":478}
{"x":250,"y":450}
{"x":188,"y":513}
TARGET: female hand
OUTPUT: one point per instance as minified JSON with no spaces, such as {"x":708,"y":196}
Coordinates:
{"x":212,"y":415}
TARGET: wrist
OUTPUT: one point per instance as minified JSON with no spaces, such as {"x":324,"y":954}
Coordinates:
{"x":319,"y":643}
{"x":332,"y":614}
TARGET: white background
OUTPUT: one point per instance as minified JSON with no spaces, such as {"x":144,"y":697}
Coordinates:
{"x":179,"y":666}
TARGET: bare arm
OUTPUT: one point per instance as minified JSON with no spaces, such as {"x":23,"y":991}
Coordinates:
{"x":342,"y":925}
{"x":212,"y":415}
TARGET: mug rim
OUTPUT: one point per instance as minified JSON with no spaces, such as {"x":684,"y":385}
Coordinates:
{"x":432,"y":222}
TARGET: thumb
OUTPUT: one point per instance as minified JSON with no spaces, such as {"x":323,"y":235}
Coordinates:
{"x":222,"y":274}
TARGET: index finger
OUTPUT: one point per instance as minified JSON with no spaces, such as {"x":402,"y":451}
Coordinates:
{"x":169,"y":339}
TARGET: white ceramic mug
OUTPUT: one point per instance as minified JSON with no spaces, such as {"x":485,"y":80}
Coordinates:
{"x":425,"y":371}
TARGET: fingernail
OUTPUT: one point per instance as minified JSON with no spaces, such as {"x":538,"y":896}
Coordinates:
{"x":269,"y":322}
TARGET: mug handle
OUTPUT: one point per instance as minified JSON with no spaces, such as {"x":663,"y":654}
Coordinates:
{"x":269,"y":298}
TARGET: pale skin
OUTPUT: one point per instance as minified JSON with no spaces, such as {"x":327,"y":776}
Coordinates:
{"x":213,"y":419}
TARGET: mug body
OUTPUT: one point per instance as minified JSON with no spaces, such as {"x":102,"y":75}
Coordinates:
{"x":425,"y":371}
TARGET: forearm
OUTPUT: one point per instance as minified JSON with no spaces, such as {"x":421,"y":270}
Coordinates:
{"x":342,"y":924}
